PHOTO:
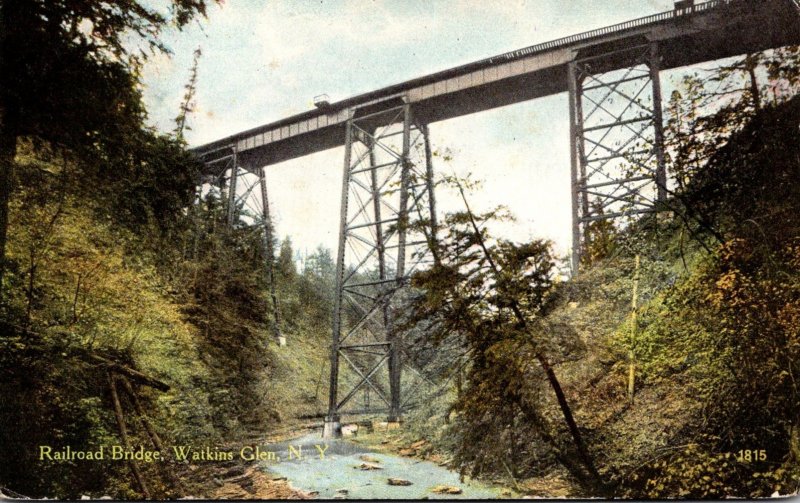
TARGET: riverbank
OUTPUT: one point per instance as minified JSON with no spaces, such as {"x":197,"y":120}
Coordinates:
{"x":240,"y":479}
{"x":405,"y":443}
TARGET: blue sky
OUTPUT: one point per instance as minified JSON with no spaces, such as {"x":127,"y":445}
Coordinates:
{"x":264,"y":60}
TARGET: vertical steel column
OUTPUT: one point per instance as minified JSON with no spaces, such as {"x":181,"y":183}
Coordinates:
{"x":231,"y":207}
{"x":332,"y":427}
{"x":429,"y":180}
{"x":276,"y":316}
{"x":574,"y":167}
{"x":379,"y":241}
{"x":376,"y":208}
{"x":395,"y":365}
{"x":402,"y":222}
{"x":658,"y":123}
{"x":584,"y":199}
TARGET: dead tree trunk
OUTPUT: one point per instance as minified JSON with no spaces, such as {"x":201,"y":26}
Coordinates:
{"x":151,"y":432}
{"x":123,"y":431}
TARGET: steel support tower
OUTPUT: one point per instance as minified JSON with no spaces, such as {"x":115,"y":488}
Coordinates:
{"x":388,"y":221}
{"x":616,"y":137}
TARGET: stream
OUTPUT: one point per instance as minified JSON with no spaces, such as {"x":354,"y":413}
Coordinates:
{"x":335,"y":473}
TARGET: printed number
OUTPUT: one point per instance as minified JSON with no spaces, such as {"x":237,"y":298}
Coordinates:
{"x":747,"y":455}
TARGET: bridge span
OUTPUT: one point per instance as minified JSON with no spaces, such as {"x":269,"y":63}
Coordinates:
{"x":709,"y":31}
{"x":612,"y":77}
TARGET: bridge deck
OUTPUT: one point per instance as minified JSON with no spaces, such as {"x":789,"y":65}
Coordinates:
{"x":712,"y":30}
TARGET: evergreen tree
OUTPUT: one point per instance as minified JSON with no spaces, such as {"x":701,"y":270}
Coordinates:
{"x":494,"y":294}
{"x":285,"y":265}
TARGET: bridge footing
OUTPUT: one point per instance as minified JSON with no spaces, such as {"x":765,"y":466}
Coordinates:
{"x":332,"y":428}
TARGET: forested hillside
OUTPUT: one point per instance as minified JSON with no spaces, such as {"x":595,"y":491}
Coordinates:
{"x":124,"y":312}
{"x":181,"y":305}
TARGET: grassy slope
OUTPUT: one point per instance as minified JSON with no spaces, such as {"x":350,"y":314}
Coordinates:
{"x":598,"y":307}
{"x":298,"y":383}
{"x":89,"y":293}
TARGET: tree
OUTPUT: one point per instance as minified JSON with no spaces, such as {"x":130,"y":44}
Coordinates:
{"x":285,"y":265}
{"x":495,"y":294}
{"x":188,"y":104}
{"x":69,"y":77}
{"x":731,"y":326}
{"x":600,"y":239}
{"x":320,"y":264}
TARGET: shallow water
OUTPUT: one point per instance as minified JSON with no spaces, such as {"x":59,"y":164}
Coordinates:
{"x":335,"y":472}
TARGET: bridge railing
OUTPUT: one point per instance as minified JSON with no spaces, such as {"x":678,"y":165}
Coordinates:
{"x":607,"y":30}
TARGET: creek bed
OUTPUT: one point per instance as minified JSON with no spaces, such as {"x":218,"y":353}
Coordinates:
{"x":336,"y":474}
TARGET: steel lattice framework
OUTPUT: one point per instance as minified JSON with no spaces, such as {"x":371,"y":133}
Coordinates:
{"x":617,"y":138}
{"x":388,"y":220}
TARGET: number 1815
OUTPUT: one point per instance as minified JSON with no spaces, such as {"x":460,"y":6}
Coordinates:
{"x":747,"y":455}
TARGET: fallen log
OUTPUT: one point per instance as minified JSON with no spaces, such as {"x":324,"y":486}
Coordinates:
{"x":90,"y":357}
{"x":134,"y":375}
{"x":151,"y":432}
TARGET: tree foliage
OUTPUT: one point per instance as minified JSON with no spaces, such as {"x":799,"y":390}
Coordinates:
{"x":730,"y":327}
{"x":69,"y":76}
{"x":493,"y":295}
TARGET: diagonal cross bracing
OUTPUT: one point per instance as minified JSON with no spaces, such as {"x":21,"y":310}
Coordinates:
{"x":617,"y":139}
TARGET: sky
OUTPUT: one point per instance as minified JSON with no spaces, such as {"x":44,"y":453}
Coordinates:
{"x":266,"y":60}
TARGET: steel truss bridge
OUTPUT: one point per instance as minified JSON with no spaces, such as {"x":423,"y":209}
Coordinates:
{"x":612,"y":79}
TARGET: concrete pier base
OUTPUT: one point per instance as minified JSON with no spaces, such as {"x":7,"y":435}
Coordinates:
{"x":332,"y":428}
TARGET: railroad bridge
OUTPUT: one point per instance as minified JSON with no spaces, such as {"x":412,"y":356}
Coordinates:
{"x":617,"y":167}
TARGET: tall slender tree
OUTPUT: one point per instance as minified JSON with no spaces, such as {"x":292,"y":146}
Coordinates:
{"x":188,"y":104}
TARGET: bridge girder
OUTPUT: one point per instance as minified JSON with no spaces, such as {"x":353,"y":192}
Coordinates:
{"x":685,"y":37}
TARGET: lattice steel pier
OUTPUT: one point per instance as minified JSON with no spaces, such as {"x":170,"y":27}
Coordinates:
{"x":242,"y":186}
{"x":616,"y":137}
{"x":387,"y":216}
